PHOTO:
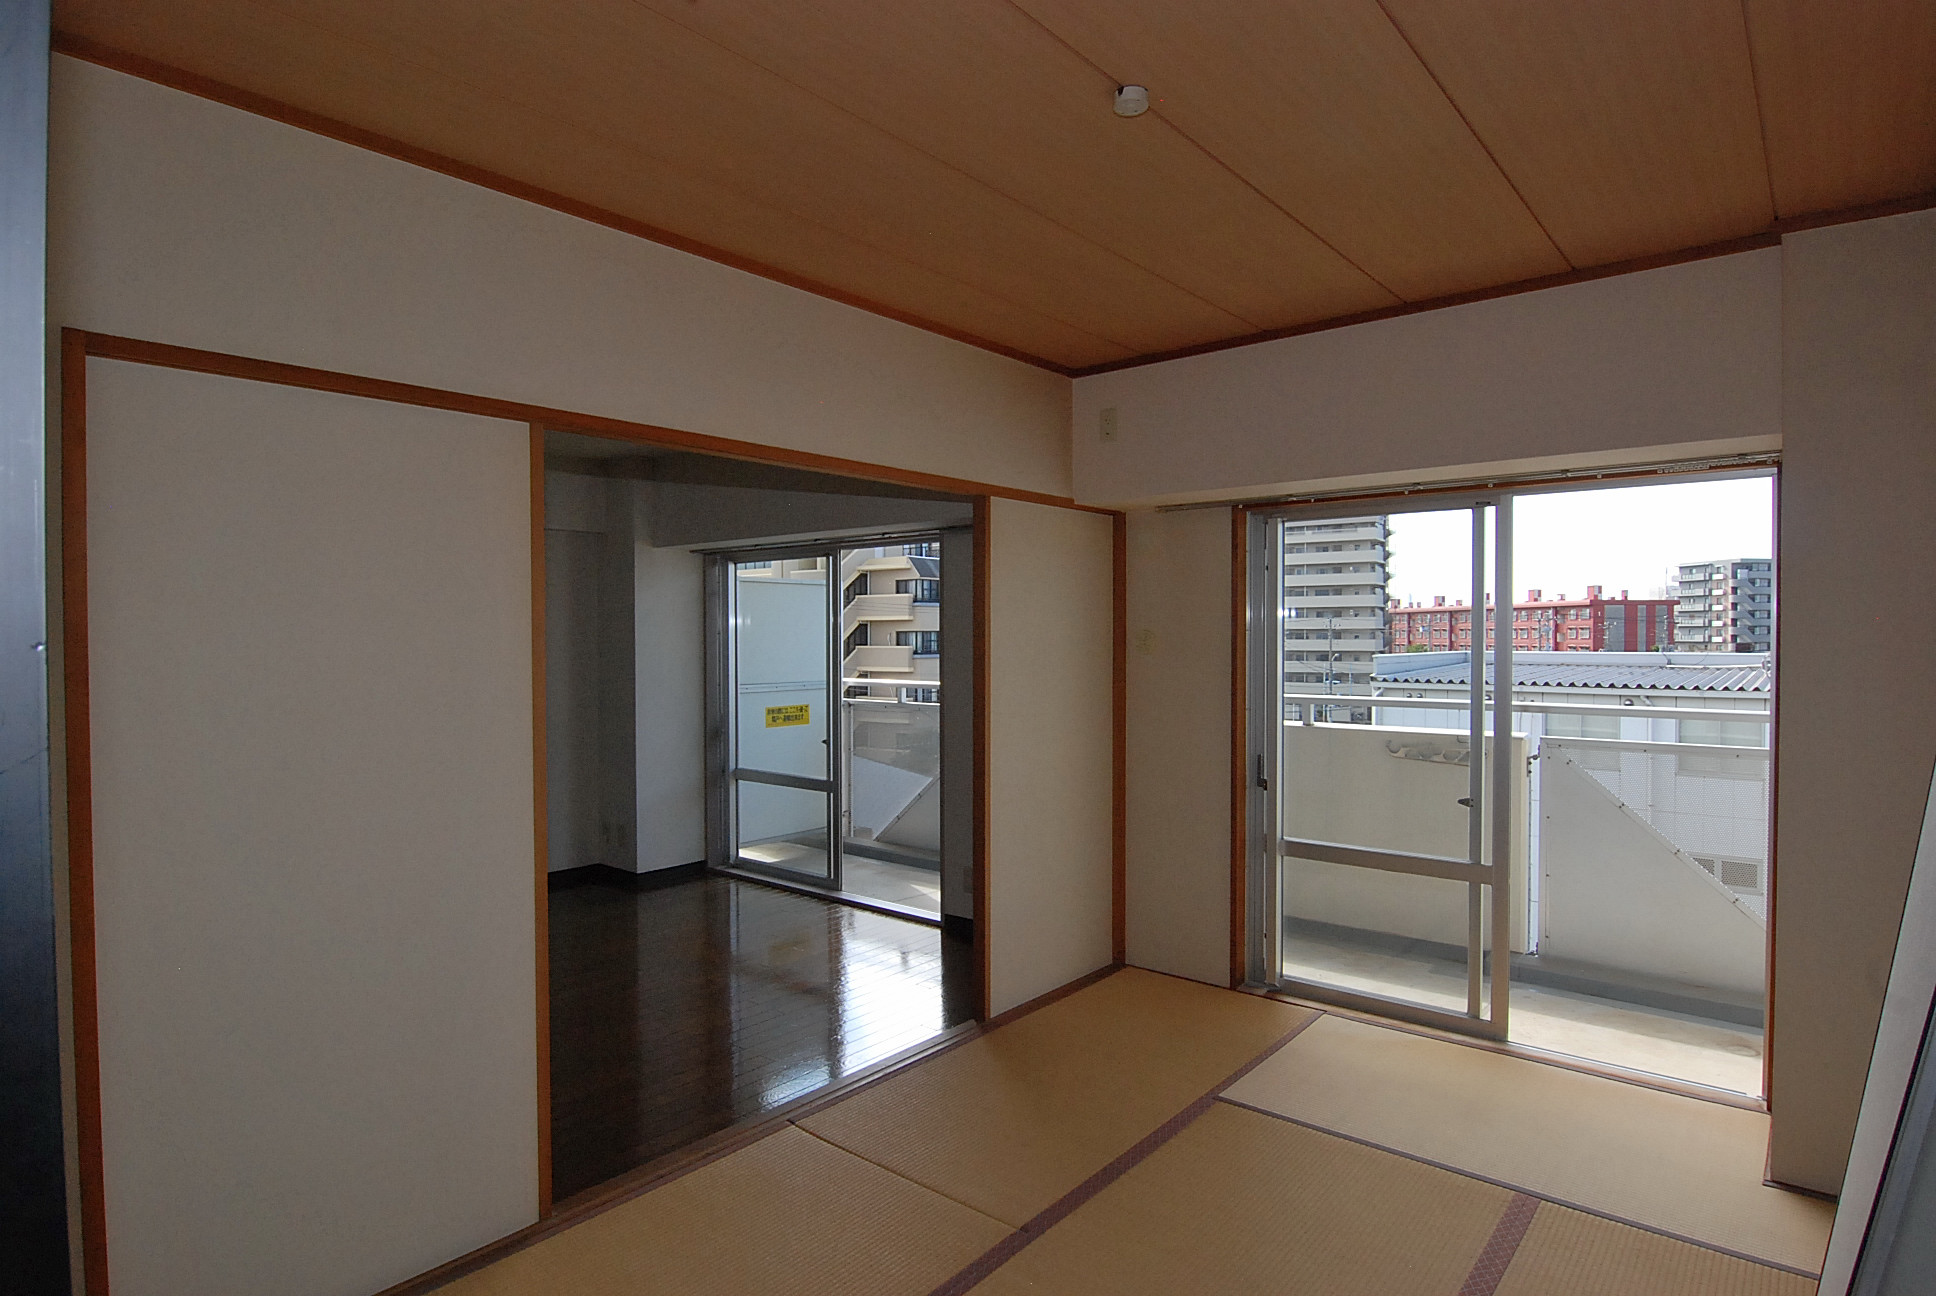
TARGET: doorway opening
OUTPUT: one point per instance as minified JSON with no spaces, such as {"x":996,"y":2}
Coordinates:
{"x":759,"y":837}
{"x":1542,"y":818}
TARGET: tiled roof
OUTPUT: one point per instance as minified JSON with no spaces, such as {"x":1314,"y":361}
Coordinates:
{"x":1752,"y":676}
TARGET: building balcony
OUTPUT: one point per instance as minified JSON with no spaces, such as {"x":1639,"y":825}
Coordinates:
{"x":880,"y":607}
{"x":880,"y":657}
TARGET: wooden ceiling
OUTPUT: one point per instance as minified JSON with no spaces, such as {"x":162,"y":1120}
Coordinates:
{"x":956,"y":163}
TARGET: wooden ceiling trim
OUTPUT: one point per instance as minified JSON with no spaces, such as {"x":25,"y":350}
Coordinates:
{"x":1730,"y":247}
{"x":519,"y":124}
{"x":1631,"y":128}
{"x":1848,"y":99}
{"x":203,"y":87}
{"x":1013,"y":107}
{"x":1323,"y":108}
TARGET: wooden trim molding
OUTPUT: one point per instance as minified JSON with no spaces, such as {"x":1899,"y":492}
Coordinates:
{"x":202,"y":87}
{"x":984,"y":1007}
{"x":1119,"y":744}
{"x":167,"y":356}
{"x":1239,"y":741}
{"x":540,"y":845}
{"x":80,"y":811}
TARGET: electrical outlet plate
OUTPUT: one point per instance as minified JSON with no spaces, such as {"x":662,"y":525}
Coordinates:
{"x":1106,"y":423}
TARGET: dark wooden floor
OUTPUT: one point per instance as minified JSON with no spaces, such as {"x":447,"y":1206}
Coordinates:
{"x":678,"y":1012}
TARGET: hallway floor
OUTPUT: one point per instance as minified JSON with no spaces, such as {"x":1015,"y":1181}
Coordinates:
{"x":681,"y":1011}
{"x":1152,"y":1135}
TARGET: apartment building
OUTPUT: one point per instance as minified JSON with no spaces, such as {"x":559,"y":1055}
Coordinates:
{"x":1334,"y":603}
{"x":1726,"y":606}
{"x":1595,"y":623}
{"x":294,"y":293}
{"x":890,"y":599}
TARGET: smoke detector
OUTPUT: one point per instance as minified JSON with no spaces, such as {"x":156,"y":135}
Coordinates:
{"x":1132,"y":100}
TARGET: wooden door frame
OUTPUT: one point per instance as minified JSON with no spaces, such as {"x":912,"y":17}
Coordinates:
{"x":77,"y":346}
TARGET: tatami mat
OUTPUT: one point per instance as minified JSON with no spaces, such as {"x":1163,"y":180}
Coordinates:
{"x":789,"y":1214}
{"x":1009,"y":1122}
{"x":1240,"y":1203}
{"x":1677,"y":1164}
{"x":1566,"y":1252}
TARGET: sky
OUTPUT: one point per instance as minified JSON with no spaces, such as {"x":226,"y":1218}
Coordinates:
{"x":1619,"y":537}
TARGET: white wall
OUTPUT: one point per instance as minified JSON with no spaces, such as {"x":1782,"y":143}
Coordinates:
{"x":1579,"y":374}
{"x":313,"y":799}
{"x":689,"y":514}
{"x":1857,"y":532}
{"x":1050,"y":730}
{"x":1179,"y":743}
{"x":669,"y":713}
{"x":178,"y":220}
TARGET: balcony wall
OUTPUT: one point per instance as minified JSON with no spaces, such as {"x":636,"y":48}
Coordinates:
{"x":881,"y":657}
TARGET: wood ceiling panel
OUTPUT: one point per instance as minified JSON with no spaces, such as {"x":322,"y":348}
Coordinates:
{"x":1630,"y":128}
{"x":551,"y":98}
{"x":983,"y":87}
{"x":1323,"y":106}
{"x":1848,"y":99}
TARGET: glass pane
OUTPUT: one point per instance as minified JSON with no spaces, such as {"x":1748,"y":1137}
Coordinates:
{"x":1648,"y":905}
{"x":780,"y":646}
{"x":783,"y":828}
{"x":892,"y":849}
{"x":1389,"y":934}
{"x":891,"y":713}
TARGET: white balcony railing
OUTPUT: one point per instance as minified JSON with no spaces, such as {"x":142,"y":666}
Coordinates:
{"x":881,"y":607}
{"x":880,"y":657}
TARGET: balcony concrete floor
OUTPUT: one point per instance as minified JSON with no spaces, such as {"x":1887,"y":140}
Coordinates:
{"x":1720,"y":1055}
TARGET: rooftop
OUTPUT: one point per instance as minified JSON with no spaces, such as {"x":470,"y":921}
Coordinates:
{"x":1677,"y":671}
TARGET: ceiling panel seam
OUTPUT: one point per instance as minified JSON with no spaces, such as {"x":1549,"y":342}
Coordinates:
{"x":1199,"y":146}
{"x":960,"y":171}
{"x":492,"y":91}
{"x":1473,"y":130}
{"x":1761,"y":112}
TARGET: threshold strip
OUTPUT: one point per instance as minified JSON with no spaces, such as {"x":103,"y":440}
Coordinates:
{"x":1655,"y":1229}
{"x":1501,"y":1247}
{"x":1002,"y":1252}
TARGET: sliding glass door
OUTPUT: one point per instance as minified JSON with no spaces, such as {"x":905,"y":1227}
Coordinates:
{"x":1549,"y":803}
{"x":826,"y":701}
{"x":781,"y":790}
{"x":1390,"y":867}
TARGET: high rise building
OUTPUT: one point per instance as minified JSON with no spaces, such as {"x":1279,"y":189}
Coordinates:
{"x":1726,"y":606}
{"x":1334,"y":603}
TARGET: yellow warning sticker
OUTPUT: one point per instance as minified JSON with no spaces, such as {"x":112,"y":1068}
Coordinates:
{"x":783,"y":717}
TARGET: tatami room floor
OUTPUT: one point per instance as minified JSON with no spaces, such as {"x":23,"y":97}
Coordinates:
{"x":1152,"y":1135}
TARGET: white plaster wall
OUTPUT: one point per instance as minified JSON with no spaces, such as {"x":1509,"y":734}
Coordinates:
{"x":174,"y":219}
{"x":313,"y":799}
{"x":1857,"y":531}
{"x":1591,"y":372}
{"x":1179,"y":743}
{"x":670,"y":705}
{"x":1051,"y":620}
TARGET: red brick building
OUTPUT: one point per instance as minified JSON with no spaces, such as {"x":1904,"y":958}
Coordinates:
{"x":1591,"y":624}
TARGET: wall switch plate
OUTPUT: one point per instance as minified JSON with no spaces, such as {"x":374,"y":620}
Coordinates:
{"x":1107,"y":423}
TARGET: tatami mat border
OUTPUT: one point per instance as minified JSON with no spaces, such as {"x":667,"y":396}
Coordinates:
{"x":1527,"y":1192}
{"x":1005,"y":1250}
{"x":1490,"y":1268}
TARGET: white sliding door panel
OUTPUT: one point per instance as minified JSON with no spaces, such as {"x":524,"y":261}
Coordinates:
{"x":1050,"y":635}
{"x":313,"y":799}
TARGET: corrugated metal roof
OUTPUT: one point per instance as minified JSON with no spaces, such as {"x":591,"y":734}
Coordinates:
{"x":1745,"y":678}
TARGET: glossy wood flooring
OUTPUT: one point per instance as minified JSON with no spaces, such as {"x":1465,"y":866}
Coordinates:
{"x":678,"y":1012}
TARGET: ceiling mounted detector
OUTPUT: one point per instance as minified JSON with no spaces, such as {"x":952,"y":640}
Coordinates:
{"x":1132,"y":100}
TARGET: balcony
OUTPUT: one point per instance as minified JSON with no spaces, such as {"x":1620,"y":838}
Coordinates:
{"x":880,"y":607}
{"x":881,"y":657}
{"x":1640,"y":877}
